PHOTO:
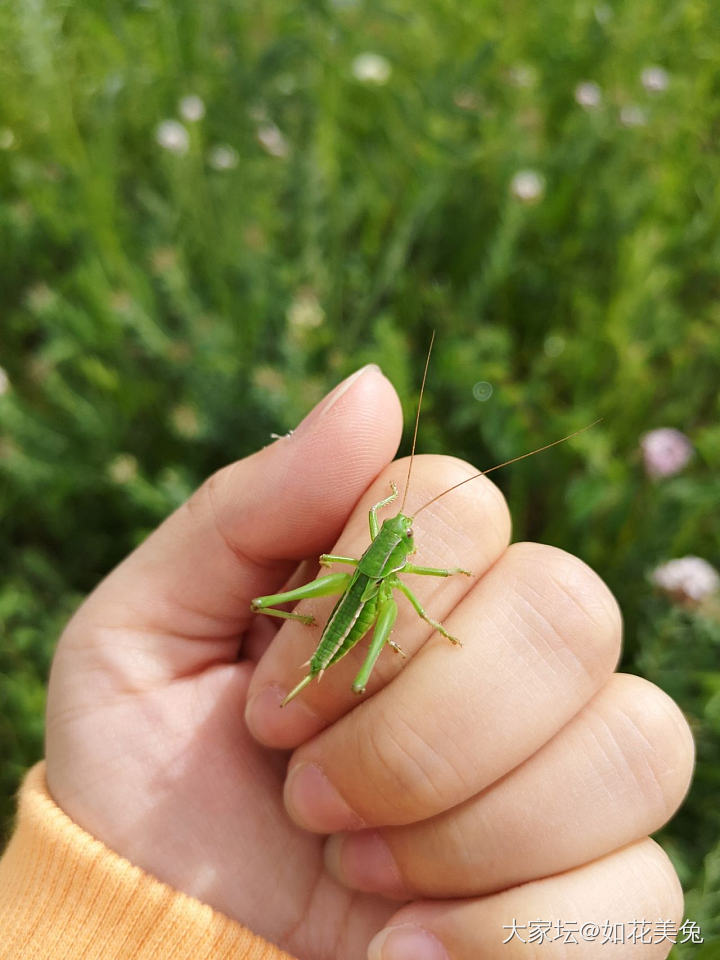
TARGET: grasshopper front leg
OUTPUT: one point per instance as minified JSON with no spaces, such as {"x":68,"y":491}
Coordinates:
{"x":374,"y":525}
{"x":333,"y":583}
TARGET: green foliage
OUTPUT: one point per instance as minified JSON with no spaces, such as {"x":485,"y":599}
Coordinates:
{"x":163,"y":312}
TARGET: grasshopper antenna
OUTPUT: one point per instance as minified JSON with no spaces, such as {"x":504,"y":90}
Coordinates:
{"x":497,"y":466}
{"x":417,"y":421}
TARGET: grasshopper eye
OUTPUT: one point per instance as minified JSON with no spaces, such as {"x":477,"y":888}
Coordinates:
{"x":410,"y":532}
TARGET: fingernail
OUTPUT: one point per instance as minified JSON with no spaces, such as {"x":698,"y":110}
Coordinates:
{"x":314,"y":803}
{"x":364,"y":862}
{"x":278,"y":728}
{"x":406,"y":942}
{"x":332,"y":398}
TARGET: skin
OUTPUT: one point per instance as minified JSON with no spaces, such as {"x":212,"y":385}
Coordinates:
{"x":515,"y":777}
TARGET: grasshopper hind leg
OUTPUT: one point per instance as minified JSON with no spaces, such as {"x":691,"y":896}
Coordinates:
{"x":322,"y":587}
{"x":387,"y":613}
{"x":296,"y":690}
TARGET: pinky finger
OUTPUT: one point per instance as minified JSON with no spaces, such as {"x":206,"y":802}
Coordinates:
{"x":629,"y":903}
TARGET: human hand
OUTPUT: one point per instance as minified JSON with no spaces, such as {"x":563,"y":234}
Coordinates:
{"x":516,"y":758}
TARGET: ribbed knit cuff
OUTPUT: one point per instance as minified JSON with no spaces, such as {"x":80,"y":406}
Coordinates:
{"x":66,"y":896}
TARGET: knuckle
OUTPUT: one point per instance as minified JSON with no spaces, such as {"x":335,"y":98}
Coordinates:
{"x":481,"y":499}
{"x":482,"y":495}
{"x":574,"y":599}
{"x":412,"y":777}
{"x":205,"y":505}
{"x":661,"y":883}
{"x":654,"y":744}
{"x":206,"y":495}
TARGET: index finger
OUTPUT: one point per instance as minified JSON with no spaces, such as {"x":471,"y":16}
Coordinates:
{"x":469,"y":529}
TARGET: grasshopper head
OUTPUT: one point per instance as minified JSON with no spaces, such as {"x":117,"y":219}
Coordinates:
{"x":401,"y":526}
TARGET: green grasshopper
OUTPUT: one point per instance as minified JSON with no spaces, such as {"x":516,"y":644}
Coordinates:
{"x":366,"y":596}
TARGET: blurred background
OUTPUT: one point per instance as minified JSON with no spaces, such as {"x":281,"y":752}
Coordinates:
{"x":211,"y":213}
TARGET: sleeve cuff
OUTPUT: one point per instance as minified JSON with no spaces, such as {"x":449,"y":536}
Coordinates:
{"x":65,"y":896}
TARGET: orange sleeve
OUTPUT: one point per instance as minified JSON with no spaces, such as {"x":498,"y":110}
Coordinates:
{"x":66,"y":896}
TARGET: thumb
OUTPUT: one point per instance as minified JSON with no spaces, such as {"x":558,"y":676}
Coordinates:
{"x":247,"y":526}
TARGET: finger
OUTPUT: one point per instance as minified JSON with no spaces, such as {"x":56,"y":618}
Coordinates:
{"x":243,"y":532}
{"x":469,"y":529}
{"x":614,"y":774}
{"x":542,"y":636}
{"x":599,"y":909}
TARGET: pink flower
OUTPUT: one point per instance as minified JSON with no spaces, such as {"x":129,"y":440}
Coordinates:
{"x":688,"y":579}
{"x":665,"y":451}
{"x":655,"y":79}
{"x":588,"y":95}
{"x":273,"y":140}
